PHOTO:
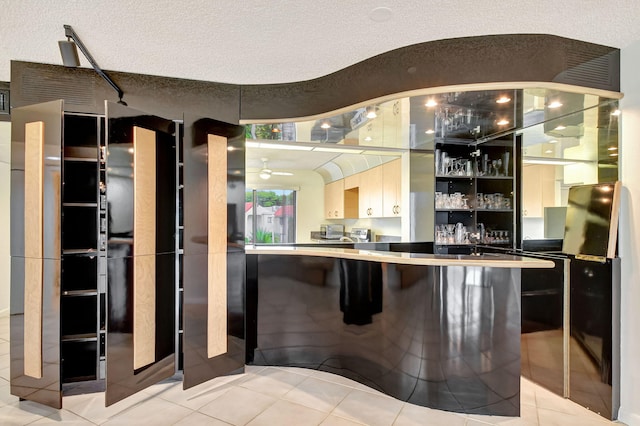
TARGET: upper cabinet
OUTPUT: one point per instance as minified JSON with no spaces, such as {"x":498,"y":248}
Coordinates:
{"x":370,"y":193}
{"x":537,"y":189}
{"x":373,"y":193}
{"x":391,"y":188}
{"x":334,"y":200}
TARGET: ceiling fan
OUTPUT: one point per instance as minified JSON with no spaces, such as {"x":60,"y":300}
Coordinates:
{"x":266,"y":172}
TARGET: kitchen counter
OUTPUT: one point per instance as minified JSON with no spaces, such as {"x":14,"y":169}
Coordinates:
{"x":493,"y":260}
{"x":441,"y":331}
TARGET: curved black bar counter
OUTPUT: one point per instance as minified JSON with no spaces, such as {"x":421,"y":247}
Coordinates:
{"x":446,"y":337}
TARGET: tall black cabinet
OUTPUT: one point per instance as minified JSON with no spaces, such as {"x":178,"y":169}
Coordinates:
{"x":99,"y":291}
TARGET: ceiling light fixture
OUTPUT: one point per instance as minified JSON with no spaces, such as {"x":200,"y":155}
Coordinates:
{"x":502,"y":122}
{"x":70,"y":57}
{"x":613,"y":154}
{"x":325,"y":125}
{"x":617,"y":112}
{"x":372,"y":112}
{"x":430,"y":131}
{"x":553,"y":161}
{"x":612,"y":148}
{"x":431,"y":103}
{"x":554,"y":104}
{"x":549,"y":151}
{"x":553,"y":141}
{"x":368,"y":139}
{"x":284,"y":146}
{"x":338,"y":150}
{"x":266,"y":172}
{"x":503,"y":100}
{"x":560,"y":127}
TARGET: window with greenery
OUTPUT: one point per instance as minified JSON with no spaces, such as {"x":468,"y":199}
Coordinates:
{"x":270,"y":216}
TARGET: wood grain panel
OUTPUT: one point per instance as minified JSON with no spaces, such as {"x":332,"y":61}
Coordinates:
{"x":33,"y":247}
{"x":144,"y":247}
{"x":217,"y":246}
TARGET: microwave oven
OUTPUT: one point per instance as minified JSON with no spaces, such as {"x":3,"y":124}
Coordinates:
{"x":331,"y":231}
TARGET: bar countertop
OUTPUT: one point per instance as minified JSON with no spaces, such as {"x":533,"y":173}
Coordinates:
{"x":493,"y":260}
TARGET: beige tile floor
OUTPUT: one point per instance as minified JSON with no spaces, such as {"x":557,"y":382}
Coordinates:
{"x":272,"y":396}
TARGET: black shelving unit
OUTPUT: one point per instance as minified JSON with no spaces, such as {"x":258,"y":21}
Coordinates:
{"x":483,"y":179}
{"x":83,"y":250}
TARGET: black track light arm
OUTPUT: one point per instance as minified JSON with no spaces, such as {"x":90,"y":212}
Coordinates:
{"x":70,"y":34}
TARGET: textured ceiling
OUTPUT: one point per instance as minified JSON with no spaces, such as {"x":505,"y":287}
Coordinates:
{"x":257,"y":41}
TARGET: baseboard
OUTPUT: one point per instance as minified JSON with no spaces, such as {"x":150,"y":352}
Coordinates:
{"x":628,"y":417}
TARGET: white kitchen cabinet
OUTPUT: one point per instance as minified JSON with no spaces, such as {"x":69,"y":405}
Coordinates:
{"x":391,"y":188}
{"x":370,"y":193}
{"x":334,"y":200}
{"x":538,"y":189}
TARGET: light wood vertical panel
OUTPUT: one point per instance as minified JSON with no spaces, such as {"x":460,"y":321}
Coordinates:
{"x":144,"y":247}
{"x":33,"y":247}
{"x":217,"y":246}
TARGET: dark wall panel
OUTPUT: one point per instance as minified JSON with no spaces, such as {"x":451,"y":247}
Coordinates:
{"x":84,"y":91}
{"x":468,"y":60}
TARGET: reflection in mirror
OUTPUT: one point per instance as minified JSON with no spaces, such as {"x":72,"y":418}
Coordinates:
{"x":567,"y":139}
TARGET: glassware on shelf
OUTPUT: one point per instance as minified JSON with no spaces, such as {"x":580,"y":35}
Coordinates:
{"x":505,"y":163}
{"x":455,"y":201}
{"x":452,"y":234}
{"x":460,"y":231}
{"x":497,"y":237}
{"x":495,"y":201}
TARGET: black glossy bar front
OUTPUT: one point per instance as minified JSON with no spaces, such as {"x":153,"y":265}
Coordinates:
{"x":445,"y":337}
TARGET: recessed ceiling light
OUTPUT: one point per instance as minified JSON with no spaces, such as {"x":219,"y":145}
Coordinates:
{"x":613,"y":154}
{"x":616,"y":112}
{"x":431,"y":103}
{"x":371,"y":112}
{"x":368,"y":138}
{"x":612,"y":148}
{"x":549,"y":151}
{"x":553,"y":141}
{"x":560,"y":127}
{"x":502,"y":122}
{"x":325,"y":125}
{"x":430,"y":131}
{"x":503,"y":100}
{"x":554,"y":104}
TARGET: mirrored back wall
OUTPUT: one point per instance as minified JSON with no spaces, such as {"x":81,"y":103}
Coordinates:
{"x":558,"y":127}
{"x":567,"y":138}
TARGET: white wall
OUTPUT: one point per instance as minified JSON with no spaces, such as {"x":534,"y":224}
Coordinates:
{"x":5,"y":178}
{"x":630,"y":236}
